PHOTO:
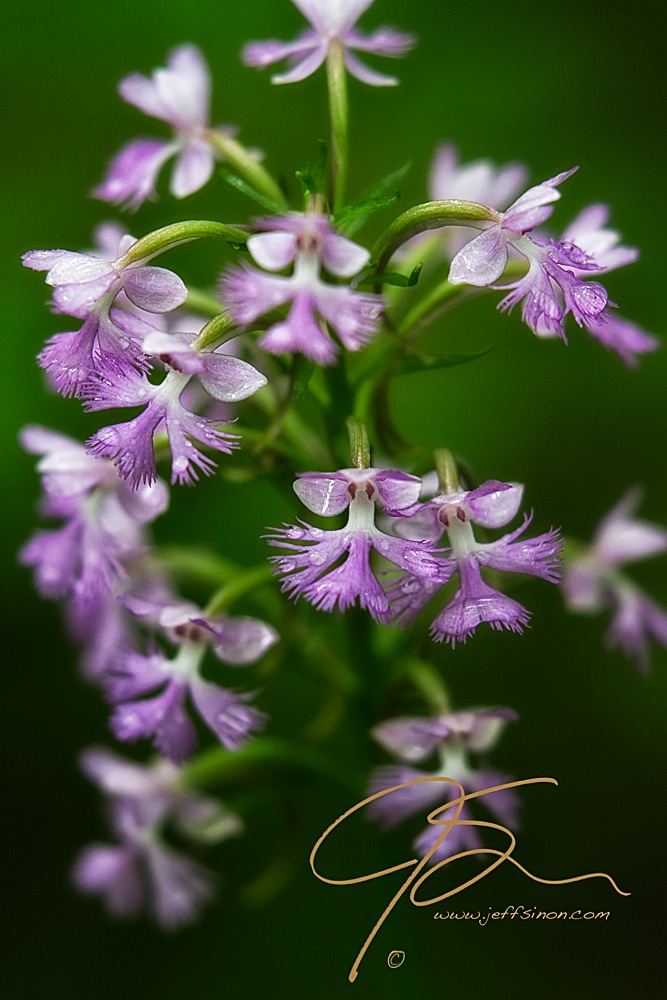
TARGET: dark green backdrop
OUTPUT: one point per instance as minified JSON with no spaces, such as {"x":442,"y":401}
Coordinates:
{"x":553,"y":85}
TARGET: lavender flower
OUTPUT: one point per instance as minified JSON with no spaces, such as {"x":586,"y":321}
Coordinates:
{"x":180,"y":96}
{"x":332,"y":23}
{"x":149,"y":692}
{"x":593,"y":582}
{"x":131,"y":445}
{"x":309,"y":243}
{"x":86,"y":287}
{"x":310,"y":568}
{"x":491,"y":505}
{"x":453,"y":736}
{"x":85,"y":560}
{"x":140,"y":870}
{"x":553,"y":285}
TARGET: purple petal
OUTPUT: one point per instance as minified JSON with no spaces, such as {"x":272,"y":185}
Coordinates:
{"x":355,"y":316}
{"x":538,"y":556}
{"x":303,"y":67}
{"x":396,"y":806}
{"x":621,"y":538}
{"x":360,"y":71}
{"x":323,"y":493}
{"x":261,"y":54}
{"x":412,"y":738}
{"x":185,"y":87}
{"x":504,"y":804}
{"x":242,"y":640}
{"x":130,"y":446}
{"x":480,"y":262}
{"x":163,"y":717}
{"x":461,"y":837}
{"x":229,"y":379}
{"x":193,"y":168}
{"x":627,"y":339}
{"x":383,"y":42}
{"x":342,"y":257}
{"x":232,"y":721}
{"x":154,"y":288}
{"x":397,"y":490}
{"x":494,"y":504}
{"x":179,"y":886}
{"x":113,"y":873}
{"x":132,"y":174}
{"x":475,"y":602}
{"x":273,"y":251}
{"x":301,"y":332}
{"x":248,"y":293}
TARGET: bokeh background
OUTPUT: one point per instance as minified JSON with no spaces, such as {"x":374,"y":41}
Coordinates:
{"x":552,"y":86}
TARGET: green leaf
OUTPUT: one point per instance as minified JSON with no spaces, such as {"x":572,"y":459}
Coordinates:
{"x":313,"y":176}
{"x":303,"y":372}
{"x":395,"y":278}
{"x":380,"y":195}
{"x":251,"y":192}
{"x":419,"y":361}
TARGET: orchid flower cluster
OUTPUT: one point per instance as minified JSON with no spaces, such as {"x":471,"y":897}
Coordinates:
{"x":262,"y":375}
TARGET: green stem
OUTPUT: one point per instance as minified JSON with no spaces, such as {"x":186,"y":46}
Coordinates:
{"x":203,"y":302}
{"x":219,"y":765}
{"x":427,"y":308}
{"x":229,"y":593}
{"x":339,"y":115}
{"x":247,"y":166}
{"x":215,"y":332}
{"x":199,"y":565}
{"x":179,"y":232}
{"x":430,"y":215}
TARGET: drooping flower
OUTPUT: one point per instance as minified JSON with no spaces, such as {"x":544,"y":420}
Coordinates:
{"x":332,"y":23}
{"x":178,"y":94}
{"x":453,"y":736}
{"x":83,"y":561}
{"x":309,"y":243}
{"x":131,"y":445}
{"x":140,"y":870}
{"x":554,"y":284}
{"x":311,"y":567}
{"x":491,"y":505}
{"x":149,"y":692}
{"x":593,"y":581}
{"x":86,"y":287}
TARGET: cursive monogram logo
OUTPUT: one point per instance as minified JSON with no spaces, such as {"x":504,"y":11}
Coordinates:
{"x":421,"y":872}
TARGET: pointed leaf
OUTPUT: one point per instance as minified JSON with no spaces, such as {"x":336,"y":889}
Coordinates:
{"x":421,"y":361}
{"x":250,"y":192}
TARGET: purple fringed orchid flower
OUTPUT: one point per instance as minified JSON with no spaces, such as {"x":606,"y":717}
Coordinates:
{"x":553,"y":285}
{"x":149,"y":692}
{"x":111,"y":339}
{"x":131,"y":445}
{"x":140,"y":870}
{"x":491,"y":505}
{"x":593,"y":582}
{"x":332,"y":23}
{"x":84,"y":560}
{"x":311,"y":567}
{"x":309,"y":243}
{"x":453,"y":736}
{"x":179,"y":95}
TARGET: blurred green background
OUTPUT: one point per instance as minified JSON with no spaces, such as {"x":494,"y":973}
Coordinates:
{"x":552,"y":85}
